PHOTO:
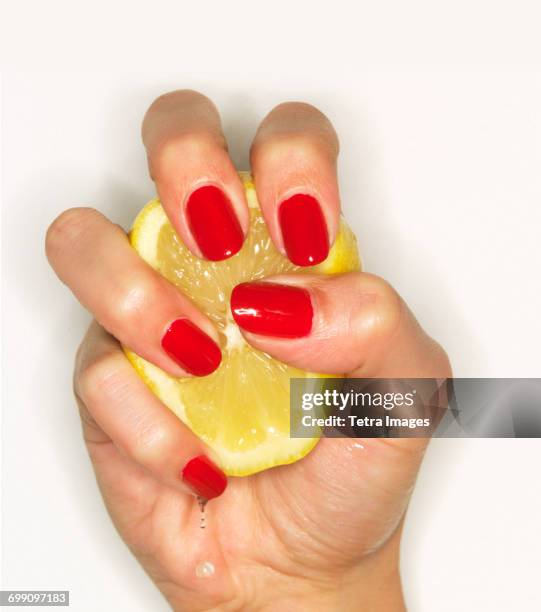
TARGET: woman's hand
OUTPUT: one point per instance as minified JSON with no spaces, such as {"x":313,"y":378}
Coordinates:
{"x":321,"y":534}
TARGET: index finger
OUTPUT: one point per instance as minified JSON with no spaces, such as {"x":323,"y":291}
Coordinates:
{"x":196,"y":181}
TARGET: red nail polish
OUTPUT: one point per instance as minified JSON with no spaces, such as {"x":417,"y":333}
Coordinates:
{"x":191,"y":348}
{"x":205,"y":478}
{"x":271,"y":309}
{"x":213,"y":223}
{"x":304,"y":230}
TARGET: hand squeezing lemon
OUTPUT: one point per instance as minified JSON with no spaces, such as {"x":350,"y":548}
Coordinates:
{"x":203,"y":298}
{"x":242,"y":409}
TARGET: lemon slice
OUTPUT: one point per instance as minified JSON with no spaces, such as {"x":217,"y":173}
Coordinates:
{"x":242,"y":409}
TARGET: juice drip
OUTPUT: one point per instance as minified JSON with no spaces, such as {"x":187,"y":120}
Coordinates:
{"x":205,"y":570}
{"x":202,"y":504}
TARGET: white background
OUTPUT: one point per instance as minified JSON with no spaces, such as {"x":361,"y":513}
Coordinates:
{"x":439,"y":115}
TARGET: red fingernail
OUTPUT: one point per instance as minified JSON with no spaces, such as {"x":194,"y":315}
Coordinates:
{"x":271,"y":309}
{"x":191,"y":348}
{"x":213,"y":223}
{"x":304,"y":230}
{"x":205,"y":478}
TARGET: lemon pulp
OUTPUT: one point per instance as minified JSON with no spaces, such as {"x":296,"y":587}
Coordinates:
{"x":242,"y":409}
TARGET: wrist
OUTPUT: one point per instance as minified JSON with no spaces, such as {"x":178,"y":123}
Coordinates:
{"x":380,"y":593}
{"x":373,"y":585}
{"x":384,"y":596}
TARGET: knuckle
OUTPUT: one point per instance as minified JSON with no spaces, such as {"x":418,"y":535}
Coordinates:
{"x":172,"y":100}
{"x":380,"y":306}
{"x":100,"y":380}
{"x":179,"y":125}
{"x":151,"y":442}
{"x":297,"y":148}
{"x":298,"y":127}
{"x":389,"y":308}
{"x":440,"y":364}
{"x":295,"y":106}
{"x":298,"y":112}
{"x":87,"y":419}
{"x":195,"y":143}
{"x":132,"y":302}
{"x":67,"y":229}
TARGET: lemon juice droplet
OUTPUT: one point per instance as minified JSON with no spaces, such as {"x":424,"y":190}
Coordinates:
{"x":205,"y":569}
{"x":203,"y":520}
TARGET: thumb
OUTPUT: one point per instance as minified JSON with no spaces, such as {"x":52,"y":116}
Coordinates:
{"x":352,"y":323}
{"x":356,"y":324}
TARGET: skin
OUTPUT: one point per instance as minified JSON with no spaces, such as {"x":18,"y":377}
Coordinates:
{"x":323,"y":533}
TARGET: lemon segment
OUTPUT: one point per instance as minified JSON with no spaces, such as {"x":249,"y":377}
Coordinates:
{"x":242,"y":409}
